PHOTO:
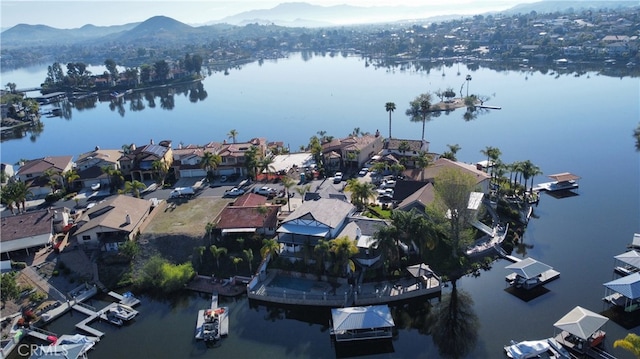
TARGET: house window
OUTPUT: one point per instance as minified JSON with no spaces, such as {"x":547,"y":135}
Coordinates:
{"x":86,"y":238}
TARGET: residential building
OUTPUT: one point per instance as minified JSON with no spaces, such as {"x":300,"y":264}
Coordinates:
{"x":430,"y":173}
{"x":137,"y":162}
{"x":246,"y":215}
{"x":352,"y":151}
{"x":405,"y":151}
{"x":26,"y":231}
{"x":312,"y":221}
{"x":33,"y":173}
{"x":112,"y":222}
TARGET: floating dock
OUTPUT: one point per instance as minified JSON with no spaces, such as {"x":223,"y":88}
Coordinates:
{"x":223,"y":318}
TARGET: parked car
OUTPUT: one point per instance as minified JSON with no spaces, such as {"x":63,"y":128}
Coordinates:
{"x":363,"y":172}
{"x":388,"y":183}
{"x":264,"y":191}
{"x":337,"y":178}
{"x":234,"y":192}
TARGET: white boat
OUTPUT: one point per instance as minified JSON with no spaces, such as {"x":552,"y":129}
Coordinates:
{"x":88,"y":342}
{"x":123,"y":312}
{"x":545,"y":348}
{"x":95,"y":186}
{"x":212,"y":323}
{"x":527,"y":349}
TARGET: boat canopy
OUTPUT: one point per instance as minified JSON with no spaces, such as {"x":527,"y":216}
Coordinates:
{"x":564,"y":177}
{"x":354,"y":318}
{"x":581,"y":322}
{"x":629,"y":286}
{"x":631,"y":258}
{"x":528,"y":268}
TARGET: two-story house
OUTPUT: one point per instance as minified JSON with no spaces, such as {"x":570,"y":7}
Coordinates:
{"x":34,"y":173}
{"x":89,"y":166}
{"x":137,"y":162}
{"x":352,"y":151}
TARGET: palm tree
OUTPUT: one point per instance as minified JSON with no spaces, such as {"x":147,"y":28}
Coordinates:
{"x":302,"y":190}
{"x":451,"y":154}
{"x":233,"y":134}
{"x":7,"y":197}
{"x":248,"y":254}
{"x":209,"y":229}
{"x":217,"y":253}
{"x":529,"y":170}
{"x":390,"y":107}
{"x":321,"y":250}
{"x":387,"y":243}
{"x":424,"y":108}
{"x":210,"y":162}
{"x":492,"y":153}
{"x":270,"y":247}
{"x":114,"y":175}
{"x":20,"y":192}
{"x":161,"y":168}
{"x":69,"y":177}
{"x":468,"y":78}
{"x":236,"y":261}
{"x":53,"y":178}
{"x":266,"y":165}
{"x":134,"y":187}
{"x":422,"y":162}
{"x":630,"y":343}
{"x":287,"y":182}
{"x":343,"y":248}
{"x":361,"y":192}
{"x":263,"y":210}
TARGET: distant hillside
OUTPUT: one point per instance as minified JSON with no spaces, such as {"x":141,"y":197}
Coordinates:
{"x":550,"y":6}
{"x":31,"y":35}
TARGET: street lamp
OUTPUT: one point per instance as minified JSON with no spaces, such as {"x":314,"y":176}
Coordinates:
{"x":468,"y":79}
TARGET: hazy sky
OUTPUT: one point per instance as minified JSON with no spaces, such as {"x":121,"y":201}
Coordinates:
{"x":73,"y":14}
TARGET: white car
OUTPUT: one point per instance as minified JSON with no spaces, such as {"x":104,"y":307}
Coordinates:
{"x":363,"y":172}
{"x":337,"y":178}
{"x":234,"y":192}
{"x":264,"y":191}
{"x":388,"y":183}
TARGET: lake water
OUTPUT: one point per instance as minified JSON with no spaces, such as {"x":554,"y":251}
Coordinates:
{"x":582,"y":125}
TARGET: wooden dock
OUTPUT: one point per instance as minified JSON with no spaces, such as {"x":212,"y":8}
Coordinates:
{"x":226,"y":287}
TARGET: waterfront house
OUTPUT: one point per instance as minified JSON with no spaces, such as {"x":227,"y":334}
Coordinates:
{"x":233,"y":156}
{"x":113,"y":221}
{"x":405,"y":151}
{"x":313,"y":220}
{"x":431,"y":172}
{"x":187,"y":160}
{"x":362,"y":230}
{"x":352,"y":151}
{"x":137,"y":162}
{"x":33,"y":173}
{"x":244,"y":216}
{"x":413,"y":194}
{"x":27,"y":230}
{"x":89,"y":166}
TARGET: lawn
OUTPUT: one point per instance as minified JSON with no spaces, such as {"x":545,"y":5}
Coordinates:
{"x":186,"y":217}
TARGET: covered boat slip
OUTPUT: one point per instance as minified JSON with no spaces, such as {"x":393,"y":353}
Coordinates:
{"x":561,"y":181}
{"x":581,"y":331}
{"x":361,"y":323}
{"x":627,"y":263}
{"x":529,"y":273}
{"x":624,"y":292}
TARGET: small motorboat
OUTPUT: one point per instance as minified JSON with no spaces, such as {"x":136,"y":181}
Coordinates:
{"x":95,"y":186}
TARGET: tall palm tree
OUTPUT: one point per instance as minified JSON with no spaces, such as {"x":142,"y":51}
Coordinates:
{"x":20,"y":192}
{"x":248,"y":254}
{"x":7,"y":197}
{"x":422,"y":162}
{"x":468,"y":78}
{"x":492,"y":153}
{"x":233,"y":134}
{"x":161,"y":168}
{"x":302,"y":190}
{"x":209,"y":229}
{"x":386,"y":238}
{"x":343,"y":248}
{"x":270,"y":247}
{"x":53,"y":179}
{"x":529,"y":170}
{"x":217,"y":252}
{"x":321,"y":250}
{"x":390,"y":107}
{"x":114,"y":175}
{"x":287,"y":183}
{"x":210,"y":162}
{"x":361,"y":192}
{"x":424,"y":109}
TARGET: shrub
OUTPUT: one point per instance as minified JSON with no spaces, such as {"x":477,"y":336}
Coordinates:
{"x":37,"y":297}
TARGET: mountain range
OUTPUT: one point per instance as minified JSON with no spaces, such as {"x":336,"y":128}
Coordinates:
{"x":166,"y":29}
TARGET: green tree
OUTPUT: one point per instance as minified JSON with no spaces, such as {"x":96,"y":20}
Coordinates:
{"x":493,"y":154}
{"x":116,"y":179}
{"x":111,"y":66}
{"x":451,"y":153}
{"x":343,"y":248}
{"x":134,"y":187}
{"x":361,"y":192}
{"x":630,"y":343}
{"x":452,"y":188}
{"x":217,"y":252}
{"x":160,"y":169}
{"x":321,"y":251}
{"x":233,"y":135}
{"x":251,"y":161}
{"x":390,"y":107}
{"x":130,"y":249}
{"x":15,"y":193}
{"x":266,"y":166}
{"x":236,"y":261}
{"x":209,"y":162}
{"x":70,"y":177}
{"x":8,"y":286}
{"x":529,"y":170}
{"x":162,"y":70}
{"x":270,"y":247}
